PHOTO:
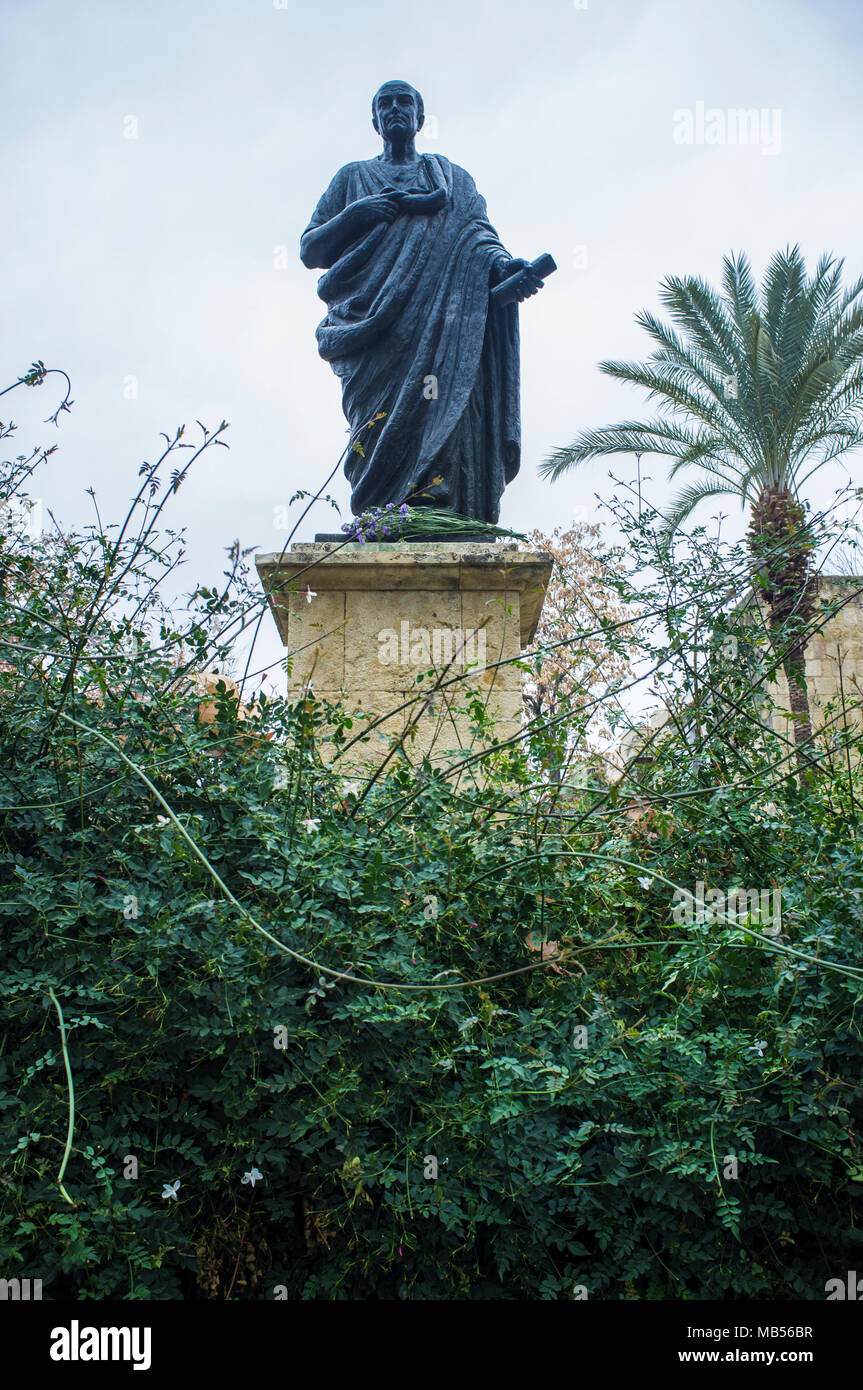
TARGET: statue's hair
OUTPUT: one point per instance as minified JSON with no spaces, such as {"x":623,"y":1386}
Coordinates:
{"x":397,"y":83}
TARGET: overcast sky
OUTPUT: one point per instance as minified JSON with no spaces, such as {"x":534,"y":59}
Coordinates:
{"x":161,"y":160}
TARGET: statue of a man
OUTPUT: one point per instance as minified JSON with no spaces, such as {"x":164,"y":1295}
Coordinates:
{"x":410,"y":259}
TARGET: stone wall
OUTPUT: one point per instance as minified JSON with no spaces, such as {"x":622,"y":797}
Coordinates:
{"x":838,"y":645}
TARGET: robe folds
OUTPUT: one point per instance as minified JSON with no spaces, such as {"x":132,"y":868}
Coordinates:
{"x":411,"y":332}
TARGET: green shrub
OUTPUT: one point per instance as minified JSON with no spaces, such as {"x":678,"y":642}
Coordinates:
{"x":523,"y":1008}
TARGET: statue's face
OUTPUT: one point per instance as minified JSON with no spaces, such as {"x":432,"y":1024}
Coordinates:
{"x":396,"y":112}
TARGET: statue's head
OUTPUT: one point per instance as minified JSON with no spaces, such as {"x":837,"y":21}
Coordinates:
{"x":397,"y":107}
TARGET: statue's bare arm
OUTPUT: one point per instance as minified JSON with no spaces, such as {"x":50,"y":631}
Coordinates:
{"x":322,"y":246}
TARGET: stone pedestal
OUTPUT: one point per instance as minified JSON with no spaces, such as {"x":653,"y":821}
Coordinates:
{"x":406,"y":635}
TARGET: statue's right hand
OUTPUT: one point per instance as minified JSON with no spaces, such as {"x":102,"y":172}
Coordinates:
{"x":379,"y":207}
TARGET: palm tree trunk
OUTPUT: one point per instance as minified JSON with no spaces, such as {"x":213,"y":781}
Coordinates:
{"x":794,"y":667}
{"x":782,"y":543}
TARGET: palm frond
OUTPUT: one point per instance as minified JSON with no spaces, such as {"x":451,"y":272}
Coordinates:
{"x":661,"y":382}
{"x":629,"y":437}
{"x":688,"y":499}
{"x":784,"y":280}
{"x":719,"y":463}
{"x":740,"y":290}
{"x":699,"y":309}
{"x":839,"y":442}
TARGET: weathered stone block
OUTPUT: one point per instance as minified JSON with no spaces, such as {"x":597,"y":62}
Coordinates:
{"x":458,"y":615}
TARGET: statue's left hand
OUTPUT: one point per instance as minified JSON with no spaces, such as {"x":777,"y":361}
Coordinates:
{"x":530,"y":285}
{"x":504,"y":269}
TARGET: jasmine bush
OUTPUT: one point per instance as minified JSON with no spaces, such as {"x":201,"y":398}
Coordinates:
{"x":271,"y":1033}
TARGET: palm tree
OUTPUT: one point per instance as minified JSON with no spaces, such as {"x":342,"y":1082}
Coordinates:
{"x":756,"y":391}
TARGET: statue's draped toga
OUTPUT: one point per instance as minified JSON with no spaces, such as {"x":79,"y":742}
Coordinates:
{"x":411,"y":332}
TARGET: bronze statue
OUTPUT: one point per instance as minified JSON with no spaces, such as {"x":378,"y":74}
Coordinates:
{"x":422,"y":324}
